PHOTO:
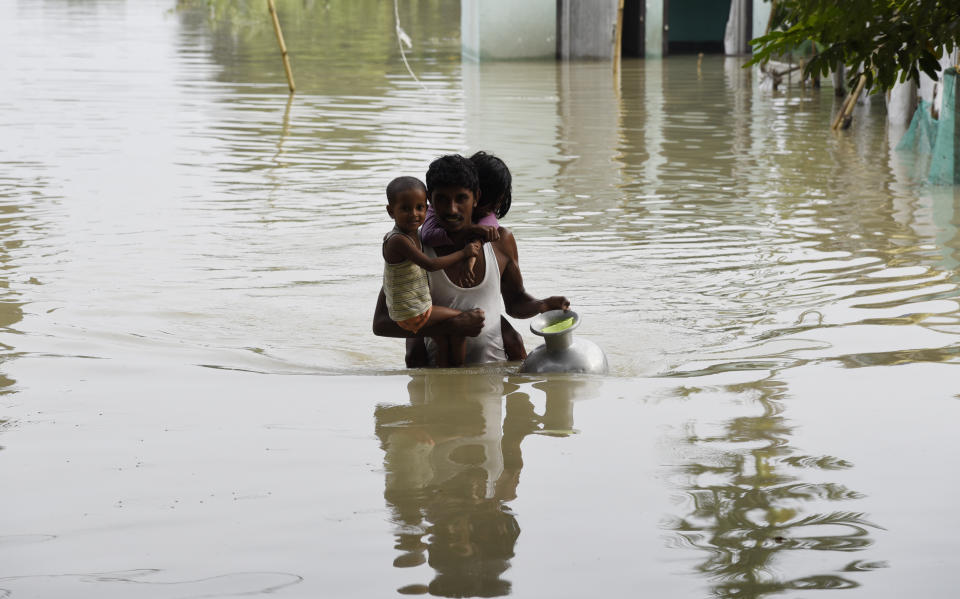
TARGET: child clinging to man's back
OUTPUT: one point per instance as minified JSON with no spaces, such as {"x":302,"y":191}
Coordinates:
{"x":496,"y":194}
{"x":405,"y":282}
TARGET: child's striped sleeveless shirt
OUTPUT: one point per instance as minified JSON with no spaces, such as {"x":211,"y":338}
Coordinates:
{"x":405,"y":286}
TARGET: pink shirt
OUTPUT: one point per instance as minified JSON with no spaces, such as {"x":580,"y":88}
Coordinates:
{"x":433,"y":235}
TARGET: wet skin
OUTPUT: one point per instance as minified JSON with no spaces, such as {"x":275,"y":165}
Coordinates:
{"x":454,"y":207}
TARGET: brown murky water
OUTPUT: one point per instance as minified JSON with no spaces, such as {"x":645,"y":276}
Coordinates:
{"x":193,"y":404}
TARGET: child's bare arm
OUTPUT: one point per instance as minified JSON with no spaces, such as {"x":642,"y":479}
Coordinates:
{"x":484,"y":233}
{"x":431,"y":233}
{"x":467,"y":324}
{"x":399,"y":248}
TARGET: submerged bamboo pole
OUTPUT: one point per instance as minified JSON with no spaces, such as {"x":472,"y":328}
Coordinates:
{"x":843,"y":110}
{"x":848,"y":115}
{"x":618,"y":38}
{"x":845,"y":116}
{"x":283,"y":46}
{"x":816,"y":77}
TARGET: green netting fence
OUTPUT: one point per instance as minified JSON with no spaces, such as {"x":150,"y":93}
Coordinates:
{"x":938,"y":137}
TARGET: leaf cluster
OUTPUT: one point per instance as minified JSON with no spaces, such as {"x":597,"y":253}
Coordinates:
{"x":889,"y":40}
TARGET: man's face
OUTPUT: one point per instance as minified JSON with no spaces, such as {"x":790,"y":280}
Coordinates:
{"x":453,"y":207}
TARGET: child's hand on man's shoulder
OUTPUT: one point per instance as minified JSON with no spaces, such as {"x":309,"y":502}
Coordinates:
{"x":485,"y":233}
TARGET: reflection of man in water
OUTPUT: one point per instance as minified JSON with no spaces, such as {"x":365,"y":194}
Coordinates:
{"x":450,"y":467}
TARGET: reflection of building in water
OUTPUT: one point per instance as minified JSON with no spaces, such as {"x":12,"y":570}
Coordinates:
{"x":589,"y":134}
{"x":556,"y":126}
{"x":452,"y":462}
{"x":750,"y":508}
{"x":510,"y":109}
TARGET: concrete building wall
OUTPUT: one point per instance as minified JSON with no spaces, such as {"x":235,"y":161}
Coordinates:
{"x":573,"y":29}
{"x":470,"y":29}
{"x":586,"y":29}
{"x":932,"y":91}
{"x":761,"y":14}
{"x":654,"y":29}
{"x":508,"y":29}
{"x":736,"y":38}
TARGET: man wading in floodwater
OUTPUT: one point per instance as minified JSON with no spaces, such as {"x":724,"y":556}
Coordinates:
{"x":453,"y":189}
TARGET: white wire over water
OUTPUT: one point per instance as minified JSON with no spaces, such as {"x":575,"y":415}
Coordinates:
{"x":403,"y":38}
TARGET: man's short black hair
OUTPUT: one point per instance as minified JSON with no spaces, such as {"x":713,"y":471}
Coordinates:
{"x":496,"y":183}
{"x":402,"y":184}
{"x":452,"y":170}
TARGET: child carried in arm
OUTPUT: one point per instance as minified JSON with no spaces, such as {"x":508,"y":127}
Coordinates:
{"x":405,"y":283}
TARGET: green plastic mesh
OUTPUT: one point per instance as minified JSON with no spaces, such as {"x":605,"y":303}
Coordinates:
{"x":922,"y":132}
{"x":939,"y":138}
{"x":945,"y":159}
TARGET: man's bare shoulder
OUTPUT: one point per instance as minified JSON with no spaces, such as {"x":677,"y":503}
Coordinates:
{"x":505,"y":247}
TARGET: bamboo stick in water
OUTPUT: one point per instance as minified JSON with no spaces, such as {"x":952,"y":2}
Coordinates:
{"x":283,"y":46}
{"x":618,"y":38}
{"x":845,"y":116}
{"x":848,"y":115}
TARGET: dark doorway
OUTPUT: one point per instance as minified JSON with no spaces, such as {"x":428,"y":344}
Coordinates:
{"x":633,"y":42}
{"x":695,"y":25}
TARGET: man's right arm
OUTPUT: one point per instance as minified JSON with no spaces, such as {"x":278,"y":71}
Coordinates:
{"x":516,"y":300}
{"x":466,"y":324}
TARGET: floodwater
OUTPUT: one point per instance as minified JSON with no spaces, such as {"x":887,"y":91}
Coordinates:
{"x":193,"y":404}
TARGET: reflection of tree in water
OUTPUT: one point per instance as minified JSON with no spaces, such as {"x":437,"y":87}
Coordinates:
{"x":20,"y":199}
{"x":748,"y":509}
{"x":453,"y":461}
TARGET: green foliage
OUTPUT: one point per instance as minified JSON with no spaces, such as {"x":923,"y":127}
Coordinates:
{"x":890,"y":39}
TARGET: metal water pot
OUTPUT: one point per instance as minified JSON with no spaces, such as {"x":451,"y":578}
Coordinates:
{"x":560,"y":352}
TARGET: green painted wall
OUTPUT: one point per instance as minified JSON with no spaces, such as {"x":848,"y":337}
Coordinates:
{"x":697,"y":20}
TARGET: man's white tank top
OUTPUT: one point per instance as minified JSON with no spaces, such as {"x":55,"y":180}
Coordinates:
{"x":488,"y":345}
